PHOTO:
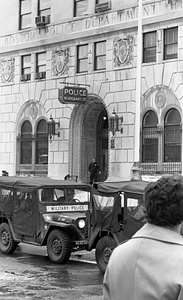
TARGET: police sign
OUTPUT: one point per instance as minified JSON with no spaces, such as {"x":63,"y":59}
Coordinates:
{"x":72,"y":95}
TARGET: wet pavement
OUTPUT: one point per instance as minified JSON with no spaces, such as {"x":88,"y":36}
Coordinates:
{"x":28,"y":274}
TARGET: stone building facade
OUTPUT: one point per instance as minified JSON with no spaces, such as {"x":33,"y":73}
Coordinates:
{"x":47,"y":46}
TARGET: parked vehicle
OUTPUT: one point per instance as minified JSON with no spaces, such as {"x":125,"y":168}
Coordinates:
{"x":43,"y":211}
{"x":67,"y":216}
{"x":118,"y":215}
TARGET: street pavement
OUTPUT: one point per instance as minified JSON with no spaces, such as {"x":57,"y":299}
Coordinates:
{"x":28,"y":274}
{"x":84,"y":256}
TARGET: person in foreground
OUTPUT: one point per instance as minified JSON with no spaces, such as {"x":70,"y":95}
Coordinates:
{"x":150,"y":265}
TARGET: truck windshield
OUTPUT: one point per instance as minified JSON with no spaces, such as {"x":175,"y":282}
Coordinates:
{"x":63,"y":195}
{"x":103,"y":201}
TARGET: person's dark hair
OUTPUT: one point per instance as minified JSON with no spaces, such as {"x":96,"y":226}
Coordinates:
{"x":163,"y":201}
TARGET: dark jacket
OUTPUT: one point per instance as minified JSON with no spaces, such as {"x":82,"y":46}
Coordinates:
{"x":94,"y":168}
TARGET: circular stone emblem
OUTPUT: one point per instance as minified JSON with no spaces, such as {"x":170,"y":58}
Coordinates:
{"x":160,"y":99}
{"x":34,"y":111}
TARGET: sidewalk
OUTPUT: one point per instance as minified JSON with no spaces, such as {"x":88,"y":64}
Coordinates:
{"x":84,"y":256}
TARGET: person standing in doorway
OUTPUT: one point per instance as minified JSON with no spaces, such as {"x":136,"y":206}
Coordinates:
{"x":94,"y":170}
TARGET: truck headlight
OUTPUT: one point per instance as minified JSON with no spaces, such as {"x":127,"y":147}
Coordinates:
{"x":81,"y":223}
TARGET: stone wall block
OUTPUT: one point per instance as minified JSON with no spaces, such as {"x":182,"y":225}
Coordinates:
{"x":130,"y":156}
{"x":115,"y":86}
{"x":128,"y":143}
{"x":63,"y":145}
{"x":122,"y":107}
{"x":131,"y":130}
{"x":104,"y":90}
{"x":158,"y":71}
{"x":10,"y":127}
{"x":131,"y":106}
{"x":176,"y":80}
{"x":121,"y":156}
{"x":66,"y":157}
{"x":144,"y":87}
{"x":64,"y":123}
{"x":6,"y":108}
{"x":5,"y":136}
{"x":123,"y":96}
{"x":109,"y":98}
{"x":40,"y":87}
{"x":129,"y":85}
{"x":9,"y":147}
{"x":66,"y":134}
{"x":148,"y":73}
{"x":48,"y":107}
{"x":44,"y":97}
{"x":58,"y":157}
{"x":170,"y":68}
{"x":112,"y":155}
{"x":6,"y":158}
{"x":53,"y":94}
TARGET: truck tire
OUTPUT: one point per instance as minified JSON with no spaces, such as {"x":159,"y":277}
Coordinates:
{"x":104,"y":248}
{"x":7,"y":243}
{"x":58,"y":246}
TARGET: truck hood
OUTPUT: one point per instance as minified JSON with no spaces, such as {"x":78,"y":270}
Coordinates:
{"x":68,"y":217}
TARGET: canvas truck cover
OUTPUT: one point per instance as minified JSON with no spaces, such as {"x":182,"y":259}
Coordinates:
{"x":31,"y":183}
{"x":134,"y":187}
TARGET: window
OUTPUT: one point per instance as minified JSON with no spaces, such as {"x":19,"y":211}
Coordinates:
{"x":149,"y":137}
{"x":42,"y":143}
{"x":44,"y":8}
{"x":80,"y":8}
{"x":26,"y":143}
{"x":149,"y":47}
{"x":26,"y":67}
{"x":25,"y":14}
{"x":33,"y":153}
{"x":100,"y":55}
{"x":82,"y":58}
{"x":170,"y":43}
{"x":26,"y":64}
{"x":161,"y":143}
{"x":172,"y":136}
{"x":41,"y":65}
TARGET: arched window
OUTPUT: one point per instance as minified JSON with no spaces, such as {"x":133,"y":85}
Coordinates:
{"x":32,"y":149}
{"x":26,"y":143}
{"x":172,"y":136}
{"x":149,"y":137}
{"x":41,"y":143}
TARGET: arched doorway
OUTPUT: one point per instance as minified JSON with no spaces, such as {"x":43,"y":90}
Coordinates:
{"x":89,"y":139}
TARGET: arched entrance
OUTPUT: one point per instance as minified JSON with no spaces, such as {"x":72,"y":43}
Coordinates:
{"x":89,"y":139}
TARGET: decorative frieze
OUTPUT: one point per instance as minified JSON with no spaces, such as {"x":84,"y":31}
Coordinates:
{"x":123,"y":51}
{"x":60,"y":61}
{"x":7,"y":70}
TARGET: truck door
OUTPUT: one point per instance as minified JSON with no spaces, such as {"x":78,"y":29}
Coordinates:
{"x":134,"y":217}
{"x":24,"y":219}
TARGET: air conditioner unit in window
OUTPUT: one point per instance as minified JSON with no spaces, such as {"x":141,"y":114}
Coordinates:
{"x":41,"y":21}
{"x":103,"y":6}
{"x":40,"y":75}
{"x":25,"y":77}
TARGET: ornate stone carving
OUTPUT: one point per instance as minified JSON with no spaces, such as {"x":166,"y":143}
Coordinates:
{"x":123,"y":50}
{"x":60,"y":61}
{"x":7,"y":70}
{"x":160,"y":99}
{"x":34,"y":111}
